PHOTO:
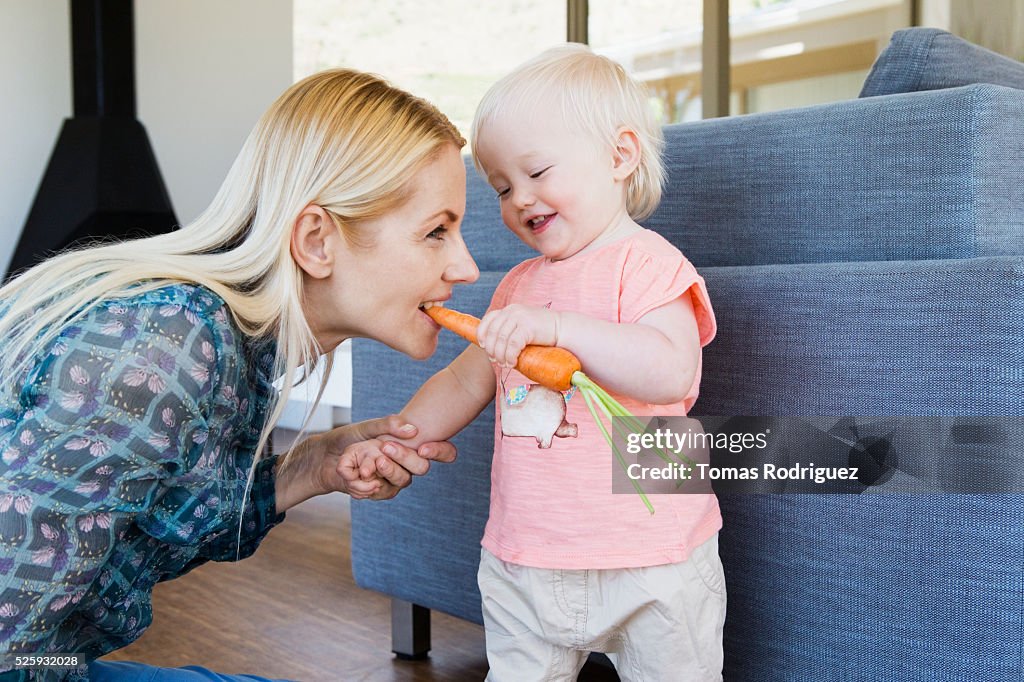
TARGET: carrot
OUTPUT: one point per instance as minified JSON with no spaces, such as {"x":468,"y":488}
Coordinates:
{"x":548,"y":366}
{"x":559,"y":370}
{"x":462,"y":324}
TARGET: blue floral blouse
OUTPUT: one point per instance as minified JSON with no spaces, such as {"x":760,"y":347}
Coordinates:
{"x":123,"y":462}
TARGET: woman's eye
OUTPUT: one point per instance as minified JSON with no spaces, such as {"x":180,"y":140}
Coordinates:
{"x":438,"y":232}
{"x":503,"y":192}
{"x":539,"y":173}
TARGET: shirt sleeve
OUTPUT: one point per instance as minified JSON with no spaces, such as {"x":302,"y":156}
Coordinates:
{"x":85,"y":450}
{"x":218,"y":502}
{"x":651,"y":280}
{"x":257,"y":518}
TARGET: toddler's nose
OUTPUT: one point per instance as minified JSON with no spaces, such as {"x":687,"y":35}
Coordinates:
{"x":523,"y":198}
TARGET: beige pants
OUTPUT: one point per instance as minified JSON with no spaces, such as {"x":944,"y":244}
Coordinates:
{"x":657,"y":624}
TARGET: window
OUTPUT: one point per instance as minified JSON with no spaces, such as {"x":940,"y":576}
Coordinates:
{"x":655,"y":40}
{"x":784,"y":53}
{"x":447,"y":51}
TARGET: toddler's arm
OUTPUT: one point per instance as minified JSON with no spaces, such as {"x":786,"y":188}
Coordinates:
{"x":654,"y":359}
{"x":451,"y":399}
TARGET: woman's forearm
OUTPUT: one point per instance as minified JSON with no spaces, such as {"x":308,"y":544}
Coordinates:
{"x":295,"y":478}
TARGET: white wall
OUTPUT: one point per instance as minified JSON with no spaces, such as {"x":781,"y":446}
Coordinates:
{"x":205,"y":71}
{"x":35,"y":97}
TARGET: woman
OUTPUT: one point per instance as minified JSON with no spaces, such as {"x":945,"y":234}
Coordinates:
{"x":137,"y":377}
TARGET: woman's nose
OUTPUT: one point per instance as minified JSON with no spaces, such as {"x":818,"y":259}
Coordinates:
{"x":462,"y":268}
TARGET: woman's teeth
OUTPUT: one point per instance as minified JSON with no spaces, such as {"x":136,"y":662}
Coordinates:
{"x":431,"y":304}
{"x":534,"y":222}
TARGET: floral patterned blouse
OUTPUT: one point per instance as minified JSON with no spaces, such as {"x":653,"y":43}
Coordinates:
{"x":124,"y":461}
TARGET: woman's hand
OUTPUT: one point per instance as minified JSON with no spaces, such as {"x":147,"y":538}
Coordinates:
{"x":318,"y":465}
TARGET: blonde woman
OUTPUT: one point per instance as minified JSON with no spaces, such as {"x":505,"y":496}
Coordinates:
{"x":136,"y":378}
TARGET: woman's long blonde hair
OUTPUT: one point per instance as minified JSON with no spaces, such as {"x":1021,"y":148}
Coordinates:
{"x":344,"y":140}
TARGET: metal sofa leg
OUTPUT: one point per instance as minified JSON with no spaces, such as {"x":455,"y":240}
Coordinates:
{"x":410,"y":630}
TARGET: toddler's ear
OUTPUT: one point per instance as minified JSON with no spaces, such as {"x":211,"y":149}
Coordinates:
{"x":627,"y":153}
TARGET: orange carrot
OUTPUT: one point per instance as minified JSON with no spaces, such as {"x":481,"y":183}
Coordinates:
{"x":462,"y":324}
{"x":548,"y":366}
{"x":559,"y":370}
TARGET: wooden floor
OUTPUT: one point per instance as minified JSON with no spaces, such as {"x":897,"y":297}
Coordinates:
{"x":293,"y":611}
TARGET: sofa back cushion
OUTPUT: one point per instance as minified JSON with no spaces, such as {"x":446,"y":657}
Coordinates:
{"x":907,"y":177}
{"x":929,"y":59}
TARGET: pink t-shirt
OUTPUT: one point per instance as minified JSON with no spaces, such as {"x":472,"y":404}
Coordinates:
{"x":554,"y":508}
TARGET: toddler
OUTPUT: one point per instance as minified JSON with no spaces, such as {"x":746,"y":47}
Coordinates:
{"x":569,"y":144}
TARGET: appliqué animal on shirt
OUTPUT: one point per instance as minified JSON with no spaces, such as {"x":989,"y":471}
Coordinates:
{"x":536,"y":411}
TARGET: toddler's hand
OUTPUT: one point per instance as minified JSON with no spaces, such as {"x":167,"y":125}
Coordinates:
{"x":357,"y":467}
{"x":504,"y":333}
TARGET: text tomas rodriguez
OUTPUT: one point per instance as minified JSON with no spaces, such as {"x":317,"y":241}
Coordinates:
{"x":707,"y":472}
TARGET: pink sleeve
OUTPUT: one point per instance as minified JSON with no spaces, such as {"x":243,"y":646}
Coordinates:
{"x":650,"y":282}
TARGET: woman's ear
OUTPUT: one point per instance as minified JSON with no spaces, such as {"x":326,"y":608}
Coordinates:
{"x":627,"y":153}
{"x":314,"y":237}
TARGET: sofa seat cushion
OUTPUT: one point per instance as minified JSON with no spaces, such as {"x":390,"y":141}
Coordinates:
{"x":873,"y":587}
{"x":849,"y":339}
{"x":898,"y":338}
{"x":908,"y":586}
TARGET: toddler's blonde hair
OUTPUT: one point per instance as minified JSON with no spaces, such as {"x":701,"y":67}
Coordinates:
{"x":590,"y":92}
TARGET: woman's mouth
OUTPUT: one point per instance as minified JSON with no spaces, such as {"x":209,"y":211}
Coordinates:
{"x":538,"y":224}
{"x":426,"y":305}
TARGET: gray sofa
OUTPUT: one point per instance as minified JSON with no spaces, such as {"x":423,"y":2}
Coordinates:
{"x":863,"y":258}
